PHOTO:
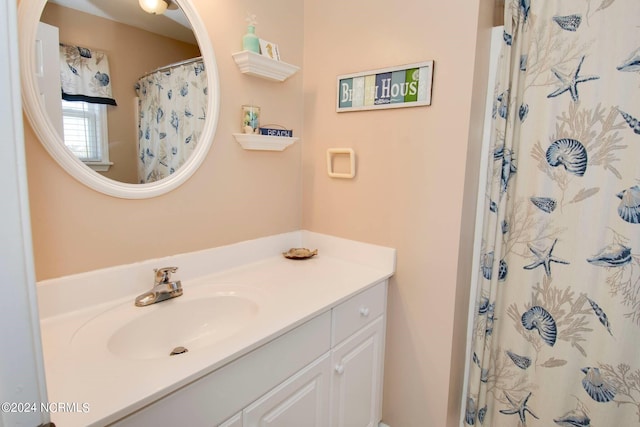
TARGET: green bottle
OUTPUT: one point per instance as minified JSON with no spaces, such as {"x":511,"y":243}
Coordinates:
{"x":250,"y":41}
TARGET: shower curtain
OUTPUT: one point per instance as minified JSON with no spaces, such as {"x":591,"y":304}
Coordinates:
{"x":172,"y":106}
{"x":556,"y":333}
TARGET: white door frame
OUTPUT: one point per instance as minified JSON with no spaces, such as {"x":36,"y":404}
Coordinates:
{"x":22,"y":380}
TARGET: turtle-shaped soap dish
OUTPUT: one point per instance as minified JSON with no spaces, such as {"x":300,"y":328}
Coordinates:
{"x":300,"y":253}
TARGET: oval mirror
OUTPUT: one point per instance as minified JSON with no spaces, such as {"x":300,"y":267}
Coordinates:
{"x":49,"y":131}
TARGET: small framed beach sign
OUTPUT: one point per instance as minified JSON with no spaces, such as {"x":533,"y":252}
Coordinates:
{"x":394,"y":87}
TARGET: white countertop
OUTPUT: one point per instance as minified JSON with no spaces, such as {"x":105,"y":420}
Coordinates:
{"x":106,"y":387}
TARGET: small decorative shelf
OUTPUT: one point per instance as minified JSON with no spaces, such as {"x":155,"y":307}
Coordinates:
{"x":257,"y":65}
{"x":251,"y":141}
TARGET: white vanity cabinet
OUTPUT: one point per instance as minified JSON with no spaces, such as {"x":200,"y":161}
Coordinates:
{"x":342,"y":388}
{"x":307,"y":351}
{"x":325,"y":372}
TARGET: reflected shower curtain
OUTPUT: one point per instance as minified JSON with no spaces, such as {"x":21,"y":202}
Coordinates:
{"x":556,"y":338}
{"x":172,"y":107}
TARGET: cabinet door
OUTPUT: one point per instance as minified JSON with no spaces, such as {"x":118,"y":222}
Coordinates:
{"x":356,"y":394}
{"x":235,"y":421}
{"x":302,"y":400}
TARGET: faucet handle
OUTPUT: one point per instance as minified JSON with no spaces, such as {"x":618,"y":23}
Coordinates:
{"x":163,"y":275}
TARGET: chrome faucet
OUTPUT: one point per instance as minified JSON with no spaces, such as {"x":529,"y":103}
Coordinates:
{"x":163,"y":288}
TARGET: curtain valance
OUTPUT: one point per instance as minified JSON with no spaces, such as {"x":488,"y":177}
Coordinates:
{"x":84,"y":75}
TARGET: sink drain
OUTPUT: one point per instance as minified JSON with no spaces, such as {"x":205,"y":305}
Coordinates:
{"x":178,"y":350}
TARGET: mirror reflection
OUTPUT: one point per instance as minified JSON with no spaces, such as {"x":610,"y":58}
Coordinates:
{"x":134,"y":88}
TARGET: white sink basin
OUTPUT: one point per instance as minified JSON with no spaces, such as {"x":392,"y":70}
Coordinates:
{"x":203,"y":316}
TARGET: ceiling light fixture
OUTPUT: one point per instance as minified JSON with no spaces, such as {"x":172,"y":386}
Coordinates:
{"x":156,"y":7}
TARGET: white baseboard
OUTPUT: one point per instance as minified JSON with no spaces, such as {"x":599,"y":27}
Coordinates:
{"x":383,"y":424}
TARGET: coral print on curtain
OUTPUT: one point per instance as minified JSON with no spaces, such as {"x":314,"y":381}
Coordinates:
{"x":172,"y":111}
{"x":556,"y":337}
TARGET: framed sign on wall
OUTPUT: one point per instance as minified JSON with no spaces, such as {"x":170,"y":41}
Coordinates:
{"x":394,"y":87}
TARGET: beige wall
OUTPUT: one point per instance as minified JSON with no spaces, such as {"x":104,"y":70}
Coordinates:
{"x":235,"y":195}
{"x":132,"y":53}
{"x":414,"y":189}
{"x":408,"y":191}
{"x":498,"y":13}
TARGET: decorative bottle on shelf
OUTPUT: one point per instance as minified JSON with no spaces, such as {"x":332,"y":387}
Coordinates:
{"x":250,"y":41}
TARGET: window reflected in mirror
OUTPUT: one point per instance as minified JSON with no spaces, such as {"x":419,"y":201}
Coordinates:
{"x":85,"y":131}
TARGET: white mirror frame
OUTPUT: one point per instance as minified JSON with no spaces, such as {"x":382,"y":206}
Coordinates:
{"x":29,"y":12}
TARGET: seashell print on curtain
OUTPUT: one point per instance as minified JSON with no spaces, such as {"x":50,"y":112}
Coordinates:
{"x":85,"y":75}
{"x":172,"y":110}
{"x":557,"y":314}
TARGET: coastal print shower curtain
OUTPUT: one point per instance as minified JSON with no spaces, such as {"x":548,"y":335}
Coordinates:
{"x":172,"y":108}
{"x":556,"y":335}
